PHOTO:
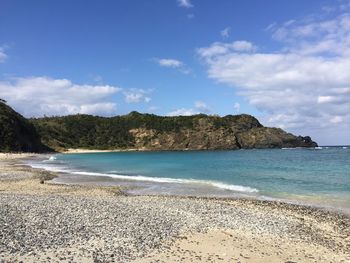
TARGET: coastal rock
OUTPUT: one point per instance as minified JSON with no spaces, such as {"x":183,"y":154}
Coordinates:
{"x":184,"y":139}
{"x":264,"y":137}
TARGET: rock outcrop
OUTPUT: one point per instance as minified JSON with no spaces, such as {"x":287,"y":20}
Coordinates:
{"x":263,"y":137}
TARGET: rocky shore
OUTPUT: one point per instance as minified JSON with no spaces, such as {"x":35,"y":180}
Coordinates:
{"x":40,"y":222}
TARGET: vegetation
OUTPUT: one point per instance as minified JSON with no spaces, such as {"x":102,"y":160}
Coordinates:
{"x":16,"y":133}
{"x":140,"y":131}
{"x":86,"y":131}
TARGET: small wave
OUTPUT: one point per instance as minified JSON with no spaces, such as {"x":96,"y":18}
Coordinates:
{"x":230,"y":187}
{"x":51,"y":159}
{"x":235,"y":188}
{"x":318,"y":148}
{"x":51,"y":168}
{"x":345,"y":147}
{"x":289,"y":148}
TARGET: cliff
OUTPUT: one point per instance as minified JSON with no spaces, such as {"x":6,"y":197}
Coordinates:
{"x":151,"y":132}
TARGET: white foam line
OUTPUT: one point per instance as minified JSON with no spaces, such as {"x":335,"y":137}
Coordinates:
{"x":230,"y":187}
{"x":289,"y":148}
{"x":236,"y":188}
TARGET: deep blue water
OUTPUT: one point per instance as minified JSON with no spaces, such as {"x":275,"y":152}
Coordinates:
{"x":320,"y":176}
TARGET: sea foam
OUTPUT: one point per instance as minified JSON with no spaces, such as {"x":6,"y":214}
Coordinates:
{"x":230,"y":187}
{"x":235,"y":188}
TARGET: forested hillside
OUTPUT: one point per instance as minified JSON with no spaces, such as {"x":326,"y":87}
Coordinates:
{"x":16,"y":133}
{"x":152,"y":132}
{"x":140,"y":132}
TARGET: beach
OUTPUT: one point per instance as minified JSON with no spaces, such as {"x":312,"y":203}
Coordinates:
{"x":44,"y":222}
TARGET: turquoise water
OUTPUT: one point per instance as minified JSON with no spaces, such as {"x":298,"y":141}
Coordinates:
{"x":320,"y":176}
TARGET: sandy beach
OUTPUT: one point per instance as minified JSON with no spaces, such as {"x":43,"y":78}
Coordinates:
{"x":43,"y":222}
{"x":99,"y":151}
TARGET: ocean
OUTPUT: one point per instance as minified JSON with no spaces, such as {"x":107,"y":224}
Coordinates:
{"x":319,"y":176}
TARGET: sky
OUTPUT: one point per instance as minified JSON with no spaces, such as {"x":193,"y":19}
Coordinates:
{"x":285,"y":62}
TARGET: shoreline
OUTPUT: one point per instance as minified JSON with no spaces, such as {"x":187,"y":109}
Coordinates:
{"x":245,"y":230}
{"x":70,"y":151}
{"x":82,"y":150}
{"x":204,"y":189}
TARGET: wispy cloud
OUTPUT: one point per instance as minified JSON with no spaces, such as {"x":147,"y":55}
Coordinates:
{"x":137,"y":95}
{"x":3,"y":55}
{"x":225,"y":33}
{"x":219,"y":48}
{"x":173,"y":63}
{"x":169,"y":63}
{"x":183,"y":112}
{"x":185,"y":3}
{"x":304,"y":84}
{"x":237,"y":107}
{"x":39,"y":96}
{"x":190,"y":16}
{"x":199,"y":107}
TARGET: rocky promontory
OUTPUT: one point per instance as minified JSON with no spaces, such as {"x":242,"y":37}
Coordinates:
{"x":151,"y":132}
{"x":140,"y":132}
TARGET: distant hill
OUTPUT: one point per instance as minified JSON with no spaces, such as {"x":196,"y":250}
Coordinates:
{"x":139,"y":131}
{"x":17,"y":134}
{"x":152,"y":132}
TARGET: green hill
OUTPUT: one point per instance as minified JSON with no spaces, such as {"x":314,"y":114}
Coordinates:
{"x":141,"y":132}
{"x":152,"y":132}
{"x":17,"y":134}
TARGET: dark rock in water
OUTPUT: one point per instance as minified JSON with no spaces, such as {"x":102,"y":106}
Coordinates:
{"x":307,"y":141}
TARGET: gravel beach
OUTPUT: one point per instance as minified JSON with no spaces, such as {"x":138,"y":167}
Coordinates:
{"x":40,"y":222}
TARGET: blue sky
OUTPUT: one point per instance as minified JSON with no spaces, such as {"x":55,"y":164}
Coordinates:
{"x":273,"y":59}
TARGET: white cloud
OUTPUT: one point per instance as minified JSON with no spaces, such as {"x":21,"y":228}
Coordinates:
{"x":199,"y":107}
{"x":303,"y":86}
{"x":185,"y":3}
{"x":326,"y":99}
{"x":237,"y":107}
{"x":219,"y":48}
{"x":173,"y":63}
{"x":137,"y":95}
{"x":169,"y":63}
{"x":3,"y":55}
{"x":225,"y":33}
{"x":336,"y":119}
{"x":39,"y":96}
{"x":183,"y":112}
